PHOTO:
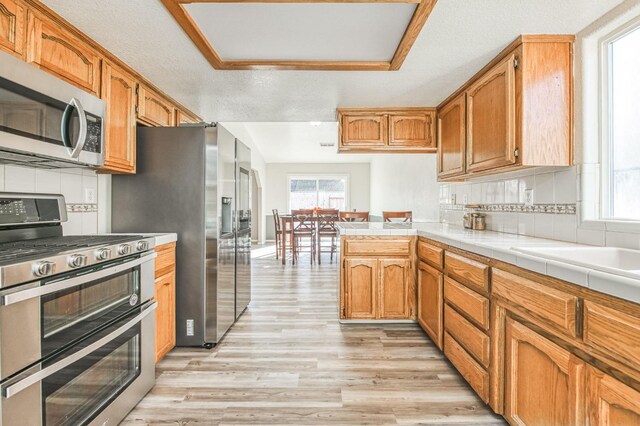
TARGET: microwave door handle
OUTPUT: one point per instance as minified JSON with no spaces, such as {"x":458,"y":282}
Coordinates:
{"x":82,"y":136}
{"x":42,"y":290}
{"x":21,"y":385}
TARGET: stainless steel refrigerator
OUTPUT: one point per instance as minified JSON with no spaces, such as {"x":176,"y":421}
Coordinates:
{"x":196,"y":181}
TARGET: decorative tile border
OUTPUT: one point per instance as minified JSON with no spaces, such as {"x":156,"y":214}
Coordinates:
{"x":517,"y":208}
{"x":81,"y":208}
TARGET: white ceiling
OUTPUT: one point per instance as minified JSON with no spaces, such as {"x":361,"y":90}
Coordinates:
{"x":459,"y":37}
{"x":303,"y":31}
{"x":287,"y":142}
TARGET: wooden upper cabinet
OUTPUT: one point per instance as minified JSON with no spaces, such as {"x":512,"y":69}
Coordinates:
{"x":491,"y":118}
{"x":364,"y":130}
{"x":183,"y":117}
{"x":59,"y":52}
{"x":361,"y":288}
{"x":394,"y":289}
{"x":412,"y":130}
{"x":12,"y":26}
{"x":452,"y":138}
{"x":544,"y":383}
{"x":610,"y":402}
{"x":387,"y":130}
{"x":154,"y":109}
{"x":430,"y":302}
{"x":119,"y":94}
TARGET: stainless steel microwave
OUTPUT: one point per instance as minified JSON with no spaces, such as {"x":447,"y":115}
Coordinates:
{"x":45,"y":121}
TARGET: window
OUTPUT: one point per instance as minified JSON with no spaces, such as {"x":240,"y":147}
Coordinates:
{"x":306,"y":192}
{"x":621,"y":125}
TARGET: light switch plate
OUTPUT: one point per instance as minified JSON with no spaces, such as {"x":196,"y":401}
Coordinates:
{"x":465,"y":199}
{"x":453,"y":198}
{"x":90,"y":196}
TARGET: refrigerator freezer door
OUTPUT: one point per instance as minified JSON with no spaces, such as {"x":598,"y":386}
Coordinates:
{"x":243,"y":227}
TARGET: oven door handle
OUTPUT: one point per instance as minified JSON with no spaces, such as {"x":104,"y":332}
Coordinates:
{"x":42,"y":290}
{"x":21,"y":385}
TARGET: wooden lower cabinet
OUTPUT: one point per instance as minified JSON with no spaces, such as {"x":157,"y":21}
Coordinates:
{"x":165,"y":314}
{"x":361,"y":288}
{"x":394,"y":288}
{"x":544,"y":383}
{"x":165,"y":295}
{"x":611,"y":402}
{"x":430,"y":302}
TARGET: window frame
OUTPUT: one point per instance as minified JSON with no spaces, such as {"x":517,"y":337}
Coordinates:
{"x":605,"y":213}
{"x":318,"y":176}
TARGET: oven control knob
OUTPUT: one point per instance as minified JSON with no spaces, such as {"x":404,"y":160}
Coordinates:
{"x":124,"y":249}
{"x":103,"y":254}
{"x":43,"y":268}
{"x":142,"y":245}
{"x":77,"y":260}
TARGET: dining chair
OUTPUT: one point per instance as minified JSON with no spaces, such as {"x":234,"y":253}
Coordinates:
{"x":354,"y":216}
{"x":280,"y":233}
{"x":326,"y":228}
{"x":303,"y":227}
{"x":404,"y":216}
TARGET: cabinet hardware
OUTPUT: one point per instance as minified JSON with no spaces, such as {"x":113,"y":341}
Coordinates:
{"x":344,"y":314}
{"x":344,"y":262}
{"x":516,"y":152}
{"x":516,"y":62}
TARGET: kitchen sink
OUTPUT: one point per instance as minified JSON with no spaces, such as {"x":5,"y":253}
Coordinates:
{"x":612,"y":260}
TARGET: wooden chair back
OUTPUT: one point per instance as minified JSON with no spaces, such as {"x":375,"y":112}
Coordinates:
{"x":405,"y":216}
{"x":276,"y":220}
{"x":354,"y":216}
{"x":327,"y":219}
{"x":302,"y":220}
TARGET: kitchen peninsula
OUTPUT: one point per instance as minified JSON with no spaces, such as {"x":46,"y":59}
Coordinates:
{"x":505,"y":319}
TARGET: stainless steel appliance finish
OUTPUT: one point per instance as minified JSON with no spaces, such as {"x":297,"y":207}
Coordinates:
{"x":190,"y":180}
{"x":45,"y":121}
{"x":76,"y":334}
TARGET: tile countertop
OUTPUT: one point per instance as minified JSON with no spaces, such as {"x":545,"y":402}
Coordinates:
{"x":161,"y":238}
{"x":499,"y":245}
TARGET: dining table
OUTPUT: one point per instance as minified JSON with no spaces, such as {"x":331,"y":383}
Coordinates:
{"x":286,"y":224}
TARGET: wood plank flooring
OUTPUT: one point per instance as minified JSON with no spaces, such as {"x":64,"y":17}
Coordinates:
{"x":288,"y":361}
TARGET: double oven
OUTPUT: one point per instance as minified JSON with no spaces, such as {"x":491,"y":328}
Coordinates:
{"x":76,"y":336}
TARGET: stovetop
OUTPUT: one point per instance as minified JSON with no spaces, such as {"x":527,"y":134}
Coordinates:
{"x":20,"y":251}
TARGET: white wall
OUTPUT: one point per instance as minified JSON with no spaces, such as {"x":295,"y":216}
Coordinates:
{"x":405,"y":182}
{"x":83,"y":217}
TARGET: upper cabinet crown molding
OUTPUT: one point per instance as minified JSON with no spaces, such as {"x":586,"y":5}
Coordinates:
{"x":12,"y":26}
{"x":386,"y":130}
{"x":518,"y":112}
{"x":185,"y":20}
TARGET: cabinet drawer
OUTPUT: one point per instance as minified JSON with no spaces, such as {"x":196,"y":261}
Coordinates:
{"x":554,"y":306}
{"x":474,"y":305}
{"x":432,"y":255}
{"x":472,"y":372}
{"x":378,"y":247}
{"x":613,"y":332}
{"x":467,"y":271}
{"x":467,"y":335}
{"x":166,"y":259}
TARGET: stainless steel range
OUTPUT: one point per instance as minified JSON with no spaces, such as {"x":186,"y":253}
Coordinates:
{"x":76,"y":334}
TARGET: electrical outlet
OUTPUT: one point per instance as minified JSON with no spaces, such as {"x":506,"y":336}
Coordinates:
{"x":90,"y":196}
{"x":465,"y":199}
{"x":528,"y":197}
{"x":190,"y":327}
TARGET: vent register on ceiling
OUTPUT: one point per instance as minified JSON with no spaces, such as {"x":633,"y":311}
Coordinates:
{"x":348,"y":35}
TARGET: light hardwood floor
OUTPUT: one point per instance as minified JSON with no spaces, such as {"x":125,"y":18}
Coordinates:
{"x":289,"y":361}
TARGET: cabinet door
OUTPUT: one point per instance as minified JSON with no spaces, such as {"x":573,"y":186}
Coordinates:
{"x":119,"y":93}
{"x":12,"y":23}
{"x":610,"y":402}
{"x":394,"y":288}
{"x":364,"y":130}
{"x":430,"y":283}
{"x":491,"y":118}
{"x":411,"y":130}
{"x":452,"y":137}
{"x":62,"y":54}
{"x":361,"y":288}
{"x":185,"y":118}
{"x":165,"y":314}
{"x":153,"y":109}
{"x":544,"y":383}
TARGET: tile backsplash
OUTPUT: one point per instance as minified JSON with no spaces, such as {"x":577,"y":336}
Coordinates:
{"x":82,"y":213}
{"x":554,"y":213}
